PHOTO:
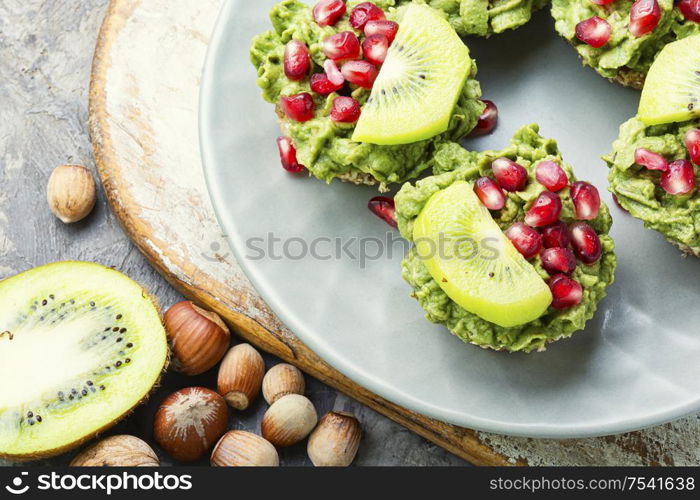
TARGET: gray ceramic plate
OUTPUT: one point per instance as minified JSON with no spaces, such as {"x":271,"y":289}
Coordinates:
{"x":636,"y":364}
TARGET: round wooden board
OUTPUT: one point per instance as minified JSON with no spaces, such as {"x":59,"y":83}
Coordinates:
{"x":143,"y":123}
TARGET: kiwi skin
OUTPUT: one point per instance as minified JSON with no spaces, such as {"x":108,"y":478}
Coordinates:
{"x":71,"y":446}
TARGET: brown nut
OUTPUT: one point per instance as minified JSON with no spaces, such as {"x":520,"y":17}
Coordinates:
{"x":289,"y":420}
{"x":240,"y":376}
{"x":244,"y":449}
{"x":71,"y":193}
{"x":281,"y":380}
{"x":335,"y":441}
{"x":117,"y":451}
{"x":189,"y":422}
{"x":198,"y":338}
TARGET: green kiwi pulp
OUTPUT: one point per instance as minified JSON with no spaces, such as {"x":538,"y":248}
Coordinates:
{"x":80,"y":346}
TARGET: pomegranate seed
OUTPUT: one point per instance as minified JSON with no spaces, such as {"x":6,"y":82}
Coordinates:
{"x":487,"y":121}
{"x":328,"y":12}
{"x":382,"y":27}
{"x":551,"y":175}
{"x":345,"y":110}
{"x":322,"y":85}
{"x":526,"y":240}
{"x":511,"y":176}
{"x":566,"y":292}
{"x":692,"y":142}
{"x":298,"y":107}
{"x":375,"y":48}
{"x":296,"y":60}
{"x":558,"y":260}
{"x":679,"y":178}
{"x":650,"y":160}
{"x":384,"y":208}
{"x":595,"y":31}
{"x":288,"y":155}
{"x":545,"y":211}
{"x":490,"y":193}
{"x":333,"y":73}
{"x":556,"y":235}
{"x":602,"y":2}
{"x":342,"y":46}
{"x":690,"y":10}
{"x":366,"y":11}
{"x":586,"y":200}
{"x":586,"y":242}
{"x":644,"y":17}
{"x":360,"y":73}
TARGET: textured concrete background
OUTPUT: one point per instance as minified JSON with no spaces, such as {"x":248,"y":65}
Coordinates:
{"x":45,"y":55}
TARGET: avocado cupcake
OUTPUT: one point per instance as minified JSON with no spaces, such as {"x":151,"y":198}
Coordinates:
{"x":364,"y":94}
{"x":621,"y":38}
{"x":510,"y":251}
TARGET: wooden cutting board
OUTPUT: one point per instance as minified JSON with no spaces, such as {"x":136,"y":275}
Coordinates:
{"x":143,"y":122}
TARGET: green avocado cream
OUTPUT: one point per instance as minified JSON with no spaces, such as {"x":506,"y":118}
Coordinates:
{"x":624,"y":53}
{"x":453,"y":163}
{"x":638,"y":189}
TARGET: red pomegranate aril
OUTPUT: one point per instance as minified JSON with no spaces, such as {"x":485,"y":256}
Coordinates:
{"x":296,"y":60}
{"x":343,"y":46}
{"x":288,"y":155}
{"x":595,"y":31}
{"x":382,"y":27}
{"x":385,"y":209}
{"x":366,"y":11}
{"x":328,"y":12}
{"x":558,"y":260}
{"x":545,"y":211}
{"x":333,"y":72}
{"x":556,"y":235}
{"x":526,"y":240}
{"x":487,"y":121}
{"x":345,"y":110}
{"x":650,"y":160}
{"x":566,"y":292}
{"x":298,"y":107}
{"x":490,"y":193}
{"x":692,"y":142}
{"x":360,"y":73}
{"x":586,"y":242}
{"x":690,"y":10}
{"x":375,"y":48}
{"x":586,"y":200}
{"x":679,"y":179}
{"x":551,"y":175}
{"x":511,"y":176}
{"x":644,"y":17}
{"x":602,"y":2}
{"x":322,"y":85}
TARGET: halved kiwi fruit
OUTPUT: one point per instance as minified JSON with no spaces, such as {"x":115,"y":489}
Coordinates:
{"x":672,"y":89}
{"x":474,"y":263}
{"x":419,"y":84}
{"x":80,"y":346}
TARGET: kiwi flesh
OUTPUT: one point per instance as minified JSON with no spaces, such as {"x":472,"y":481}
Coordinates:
{"x":80,"y":346}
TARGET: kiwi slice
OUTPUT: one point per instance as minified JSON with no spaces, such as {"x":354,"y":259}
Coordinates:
{"x":419,"y":84}
{"x":80,"y":346}
{"x":474,"y":263}
{"x":672,"y":89}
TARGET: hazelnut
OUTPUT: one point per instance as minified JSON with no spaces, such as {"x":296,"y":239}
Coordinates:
{"x":198,"y":338}
{"x":244,"y":449}
{"x":117,"y":451}
{"x":240,"y":376}
{"x":281,"y":380}
{"x":335,"y":441}
{"x":71,"y":193}
{"x":289,"y":420}
{"x":189,"y":422}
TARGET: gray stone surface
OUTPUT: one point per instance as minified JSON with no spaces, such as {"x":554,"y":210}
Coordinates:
{"x":45,"y":55}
